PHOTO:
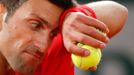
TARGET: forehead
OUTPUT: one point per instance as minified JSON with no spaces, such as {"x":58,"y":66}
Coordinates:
{"x":40,"y":8}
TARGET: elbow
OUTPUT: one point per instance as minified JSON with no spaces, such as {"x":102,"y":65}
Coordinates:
{"x":121,"y":15}
{"x":120,"y":8}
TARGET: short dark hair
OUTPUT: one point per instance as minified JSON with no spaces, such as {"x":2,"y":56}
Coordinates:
{"x":12,"y":5}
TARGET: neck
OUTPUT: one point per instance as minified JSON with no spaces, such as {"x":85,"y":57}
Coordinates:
{"x":5,"y":69}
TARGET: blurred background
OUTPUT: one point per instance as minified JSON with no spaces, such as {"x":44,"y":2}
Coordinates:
{"x":118,"y":56}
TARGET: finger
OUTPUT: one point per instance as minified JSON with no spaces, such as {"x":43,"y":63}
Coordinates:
{"x":73,"y":48}
{"x":94,"y":33}
{"x":93,"y":22}
{"x":91,"y":31}
{"x":90,"y":41}
{"x":93,"y":68}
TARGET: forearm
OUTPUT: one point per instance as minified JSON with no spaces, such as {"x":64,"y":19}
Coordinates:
{"x":114,"y":15}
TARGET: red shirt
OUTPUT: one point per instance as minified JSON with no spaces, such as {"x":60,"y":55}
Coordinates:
{"x":58,"y":60}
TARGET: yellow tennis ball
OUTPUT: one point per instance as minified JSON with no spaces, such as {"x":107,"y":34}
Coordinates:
{"x":87,"y":62}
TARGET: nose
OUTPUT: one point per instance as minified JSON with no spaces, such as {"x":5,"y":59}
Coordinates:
{"x":42,"y":42}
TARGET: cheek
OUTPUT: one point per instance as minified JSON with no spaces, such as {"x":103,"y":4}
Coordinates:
{"x":20,"y":35}
{"x":13,"y":47}
{"x":14,"y":41}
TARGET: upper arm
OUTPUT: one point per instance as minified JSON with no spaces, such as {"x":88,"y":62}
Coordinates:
{"x":113,"y":14}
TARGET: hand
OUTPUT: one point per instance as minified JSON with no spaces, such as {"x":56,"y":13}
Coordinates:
{"x":78,"y":27}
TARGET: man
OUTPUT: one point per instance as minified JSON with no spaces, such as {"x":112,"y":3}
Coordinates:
{"x":28,"y":28}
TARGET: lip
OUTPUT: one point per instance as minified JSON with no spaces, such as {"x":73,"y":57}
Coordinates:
{"x":34,"y":51}
{"x":34,"y":54}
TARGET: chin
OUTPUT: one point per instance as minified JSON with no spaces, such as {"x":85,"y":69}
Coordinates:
{"x":26,"y":70}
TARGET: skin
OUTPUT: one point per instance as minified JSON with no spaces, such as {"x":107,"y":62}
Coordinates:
{"x":23,"y":33}
{"x":81,"y":26}
{"x":26,"y":38}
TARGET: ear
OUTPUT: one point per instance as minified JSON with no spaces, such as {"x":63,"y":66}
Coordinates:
{"x":2,"y":12}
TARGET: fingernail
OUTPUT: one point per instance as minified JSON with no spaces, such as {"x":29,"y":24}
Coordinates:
{"x":86,"y":53}
{"x":106,"y":40}
{"x":102,"y":45}
{"x":107,"y":30}
{"x":93,"y":68}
